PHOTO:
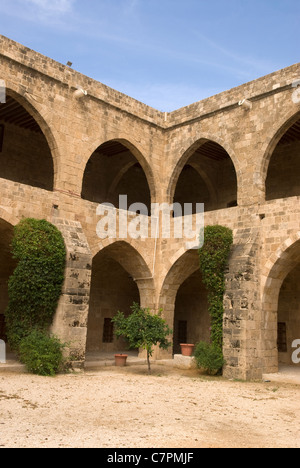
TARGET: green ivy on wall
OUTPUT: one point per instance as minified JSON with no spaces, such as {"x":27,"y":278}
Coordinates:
{"x":214,"y":256}
{"x":36,"y":284}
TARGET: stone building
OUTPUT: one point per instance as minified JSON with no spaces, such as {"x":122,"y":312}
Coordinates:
{"x":64,"y":151}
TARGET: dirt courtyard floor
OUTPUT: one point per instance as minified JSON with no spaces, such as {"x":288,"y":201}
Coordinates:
{"x":126,"y":408}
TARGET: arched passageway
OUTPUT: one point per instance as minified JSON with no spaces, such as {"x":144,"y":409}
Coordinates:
{"x":183,"y":299}
{"x":281,"y":307}
{"x":24,"y":151}
{"x":7,"y":266}
{"x":191,"y":318}
{"x":208,"y":177}
{"x":117,"y":281}
{"x":115,"y":169}
{"x":288,"y":316}
{"x":283,"y":177}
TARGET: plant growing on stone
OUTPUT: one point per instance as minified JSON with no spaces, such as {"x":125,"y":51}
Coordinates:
{"x":35,"y":286}
{"x":143,"y":330}
{"x":214,"y":256}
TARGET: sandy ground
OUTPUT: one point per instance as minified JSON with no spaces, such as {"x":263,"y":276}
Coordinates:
{"x":126,"y":408}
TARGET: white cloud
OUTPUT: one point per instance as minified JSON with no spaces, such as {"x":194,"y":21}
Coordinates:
{"x":48,"y":12}
{"x":52,"y":6}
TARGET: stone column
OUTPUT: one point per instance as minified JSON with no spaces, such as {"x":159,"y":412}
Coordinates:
{"x":70,"y":322}
{"x":242,"y":309}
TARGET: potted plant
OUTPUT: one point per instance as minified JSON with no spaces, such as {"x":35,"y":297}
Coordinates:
{"x":120,"y":360}
{"x":187,"y":349}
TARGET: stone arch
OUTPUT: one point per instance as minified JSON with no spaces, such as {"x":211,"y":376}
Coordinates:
{"x":128,"y":255}
{"x":202,"y":155}
{"x":129,"y":162}
{"x":30,"y":107}
{"x":275,"y":271}
{"x":8,"y":217}
{"x":272,"y":140}
{"x":182,"y":293}
{"x":120,"y":276}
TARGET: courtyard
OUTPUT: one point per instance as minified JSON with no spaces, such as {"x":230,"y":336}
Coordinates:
{"x":125,"y":408}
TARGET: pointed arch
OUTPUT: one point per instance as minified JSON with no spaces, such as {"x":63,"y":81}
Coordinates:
{"x":282,"y":145}
{"x":208,"y":159}
{"x":118,"y":167}
{"x":183,"y":299}
{"x":276,"y":270}
{"x":120,"y":276}
{"x":29,"y":146}
{"x":128,"y":256}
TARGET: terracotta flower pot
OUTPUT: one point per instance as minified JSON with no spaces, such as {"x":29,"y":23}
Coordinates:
{"x":120,"y":360}
{"x":187,"y":349}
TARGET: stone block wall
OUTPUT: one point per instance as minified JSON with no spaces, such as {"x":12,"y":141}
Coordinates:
{"x":264,"y":184}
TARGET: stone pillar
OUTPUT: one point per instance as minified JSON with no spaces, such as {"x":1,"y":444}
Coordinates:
{"x":242,"y":309}
{"x":70,"y":322}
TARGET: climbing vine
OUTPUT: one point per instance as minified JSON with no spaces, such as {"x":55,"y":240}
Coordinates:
{"x":35,"y":286}
{"x":214,"y":257}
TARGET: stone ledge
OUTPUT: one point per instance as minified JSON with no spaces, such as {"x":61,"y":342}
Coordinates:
{"x":179,"y":361}
{"x":184,"y":362}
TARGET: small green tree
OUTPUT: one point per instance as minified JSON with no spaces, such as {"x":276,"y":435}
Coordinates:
{"x":143,"y":330}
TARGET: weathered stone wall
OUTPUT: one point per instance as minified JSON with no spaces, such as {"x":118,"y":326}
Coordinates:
{"x":70,"y":322}
{"x":242,"y":318}
{"x":162,"y":145}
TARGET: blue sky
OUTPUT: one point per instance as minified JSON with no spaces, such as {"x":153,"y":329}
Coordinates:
{"x":165,"y":53}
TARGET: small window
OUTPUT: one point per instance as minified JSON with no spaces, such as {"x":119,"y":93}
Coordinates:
{"x":108,"y":331}
{"x":282,"y":340}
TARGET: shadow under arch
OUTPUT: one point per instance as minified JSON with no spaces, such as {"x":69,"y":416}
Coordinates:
{"x":277,"y":269}
{"x":183,"y":299}
{"x":207,"y":165}
{"x":120,"y":276}
{"x":278,"y":146}
{"x":118,"y":167}
{"x":29,"y":141}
